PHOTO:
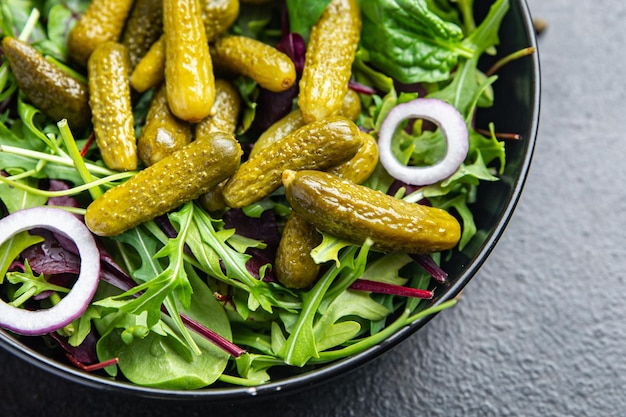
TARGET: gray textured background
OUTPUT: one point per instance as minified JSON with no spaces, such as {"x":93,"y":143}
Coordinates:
{"x":539,"y":331}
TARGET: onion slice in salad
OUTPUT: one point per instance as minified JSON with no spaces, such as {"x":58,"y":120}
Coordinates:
{"x":452,"y":126}
{"x":73,"y":304}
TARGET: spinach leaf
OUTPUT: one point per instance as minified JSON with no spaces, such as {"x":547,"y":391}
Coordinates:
{"x":155,"y":360}
{"x":409,"y":42}
{"x":303,"y":14}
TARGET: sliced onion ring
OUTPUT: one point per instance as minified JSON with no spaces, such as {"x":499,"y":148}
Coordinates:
{"x":73,"y":304}
{"x":453,"y":128}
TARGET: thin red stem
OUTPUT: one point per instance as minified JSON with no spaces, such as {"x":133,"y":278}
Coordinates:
{"x":90,"y":140}
{"x":384,"y":288}
{"x":93,"y":367}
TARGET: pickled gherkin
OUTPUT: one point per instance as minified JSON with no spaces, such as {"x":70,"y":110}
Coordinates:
{"x":50,"y":89}
{"x":328,"y":60}
{"x":294,"y":266}
{"x":150,"y":70}
{"x":180,"y":177}
{"x":351,"y":109}
{"x":143,"y":27}
{"x":189,"y":75}
{"x":163,"y":132}
{"x":218,"y":16}
{"x":109,"y":98}
{"x":355,"y":213}
{"x":103,"y":21}
{"x":225,"y":112}
{"x":318,"y":145}
{"x":270,"y":68}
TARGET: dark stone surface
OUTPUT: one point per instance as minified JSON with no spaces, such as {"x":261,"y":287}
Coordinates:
{"x":540,"y":329}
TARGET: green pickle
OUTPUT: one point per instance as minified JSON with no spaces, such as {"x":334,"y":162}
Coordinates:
{"x":294,"y":266}
{"x":143,"y":27}
{"x":178,"y":178}
{"x":362,"y":165}
{"x":102,"y":21}
{"x":225,"y":112}
{"x":52,"y":90}
{"x":189,"y":78}
{"x":270,"y":68}
{"x":150,"y":70}
{"x":355,"y":213}
{"x":318,"y":145}
{"x":224,"y":119}
{"x":112,"y":114}
{"x":351,"y":109}
{"x":218,"y":16}
{"x":328,"y":60}
{"x":163,"y":132}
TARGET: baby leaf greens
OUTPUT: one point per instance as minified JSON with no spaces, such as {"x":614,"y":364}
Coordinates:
{"x":189,"y":299}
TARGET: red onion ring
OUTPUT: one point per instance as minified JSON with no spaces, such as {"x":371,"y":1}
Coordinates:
{"x":73,"y":304}
{"x":453,"y":128}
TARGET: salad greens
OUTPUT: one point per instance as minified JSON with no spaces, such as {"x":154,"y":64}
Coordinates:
{"x":189,"y":299}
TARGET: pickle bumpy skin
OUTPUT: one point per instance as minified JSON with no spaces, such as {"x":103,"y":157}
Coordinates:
{"x":318,"y":145}
{"x":163,"y":132}
{"x":328,"y":60}
{"x":294,"y":266}
{"x":189,"y":75}
{"x":263,"y":63}
{"x":166,"y":185}
{"x":112,"y":113}
{"x":50,"y":89}
{"x":102,"y":21}
{"x":354,"y":213}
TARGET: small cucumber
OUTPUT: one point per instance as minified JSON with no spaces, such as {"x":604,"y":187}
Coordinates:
{"x":160,"y":188}
{"x":109,"y":98}
{"x":294,"y":266}
{"x":362,"y":165}
{"x":225,"y":112}
{"x":150,"y":70}
{"x":188,"y":66}
{"x":102,"y":21}
{"x":318,"y":145}
{"x":351,"y":109}
{"x":143,"y":27}
{"x":213,"y":200}
{"x":270,"y":68}
{"x":163,"y":133}
{"x":354,"y":213}
{"x":328,"y":60}
{"x":53,"y":91}
{"x":218,"y":16}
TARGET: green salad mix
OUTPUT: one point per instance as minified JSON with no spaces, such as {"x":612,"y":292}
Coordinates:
{"x":188,"y":299}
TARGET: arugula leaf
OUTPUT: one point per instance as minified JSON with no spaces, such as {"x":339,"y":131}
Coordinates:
{"x":330,"y":330}
{"x":172,"y":279}
{"x":211,"y":251}
{"x":486,"y":34}
{"x":30,"y":285}
{"x":301,"y":345}
{"x":328,"y":249}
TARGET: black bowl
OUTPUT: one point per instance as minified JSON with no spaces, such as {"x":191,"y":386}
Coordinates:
{"x":517,"y":93}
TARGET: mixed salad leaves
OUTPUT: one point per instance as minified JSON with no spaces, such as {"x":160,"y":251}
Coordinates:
{"x":189,"y":298}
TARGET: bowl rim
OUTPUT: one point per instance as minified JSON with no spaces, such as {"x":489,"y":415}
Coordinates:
{"x":342,"y":366}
